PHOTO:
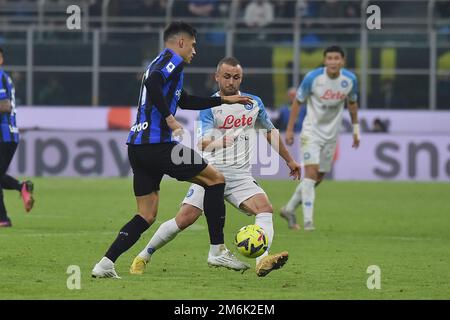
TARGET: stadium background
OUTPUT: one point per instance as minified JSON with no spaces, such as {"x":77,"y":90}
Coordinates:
{"x":404,"y":66}
{"x":77,"y":91}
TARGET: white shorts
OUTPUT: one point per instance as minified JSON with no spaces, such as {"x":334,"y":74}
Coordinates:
{"x":236,"y":192}
{"x":317,"y":151}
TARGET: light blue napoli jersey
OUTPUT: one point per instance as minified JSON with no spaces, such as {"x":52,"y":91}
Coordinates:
{"x":239,"y":121}
{"x":325,"y":100}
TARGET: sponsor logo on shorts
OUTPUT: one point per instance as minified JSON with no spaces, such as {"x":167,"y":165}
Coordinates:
{"x":190,"y":193}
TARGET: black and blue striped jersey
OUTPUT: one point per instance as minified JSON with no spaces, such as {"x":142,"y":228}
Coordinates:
{"x":150,"y":125}
{"x":8,"y":127}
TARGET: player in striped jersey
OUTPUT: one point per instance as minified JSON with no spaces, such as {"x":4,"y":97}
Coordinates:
{"x":227,"y":139}
{"x":9,"y":139}
{"x":153,"y":152}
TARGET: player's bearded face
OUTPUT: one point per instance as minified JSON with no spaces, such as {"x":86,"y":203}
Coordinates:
{"x":334,"y":62}
{"x":229,"y":79}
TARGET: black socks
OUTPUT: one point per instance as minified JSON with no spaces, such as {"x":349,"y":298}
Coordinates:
{"x":128,"y":236}
{"x":213,"y":205}
{"x":9,"y":183}
{"x":3,"y":215}
{"x":214,"y":208}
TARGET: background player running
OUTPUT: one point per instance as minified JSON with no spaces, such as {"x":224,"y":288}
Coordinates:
{"x":325,"y":91}
{"x":9,"y":140}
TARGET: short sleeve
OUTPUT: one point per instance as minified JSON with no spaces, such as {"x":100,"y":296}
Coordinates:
{"x":353,"y":95}
{"x":167,"y":66}
{"x":206,"y":123}
{"x":306,"y":86}
{"x":263,"y":118}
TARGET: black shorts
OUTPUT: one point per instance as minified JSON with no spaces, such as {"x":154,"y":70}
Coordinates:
{"x":7,"y":150}
{"x":150,"y":162}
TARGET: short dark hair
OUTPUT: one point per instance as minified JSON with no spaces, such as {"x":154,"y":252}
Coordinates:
{"x":334,"y":49}
{"x":1,"y":51}
{"x":177,"y":27}
{"x":231,"y":61}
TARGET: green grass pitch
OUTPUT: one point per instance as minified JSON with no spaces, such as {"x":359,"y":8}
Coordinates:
{"x":401,"y":227}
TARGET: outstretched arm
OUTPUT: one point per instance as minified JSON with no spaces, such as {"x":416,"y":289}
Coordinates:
{"x":293,"y":116}
{"x":191,"y":102}
{"x":274,"y":138}
{"x":353,"y":109}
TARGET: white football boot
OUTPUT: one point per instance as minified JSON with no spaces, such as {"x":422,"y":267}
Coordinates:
{"x":104,"y":269}
{"x":227,"y":260}
{"x":309,"y":226}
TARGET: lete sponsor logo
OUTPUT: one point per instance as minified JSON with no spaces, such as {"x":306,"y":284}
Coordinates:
{"x":232,"y":122}
{"x":331,"y":95}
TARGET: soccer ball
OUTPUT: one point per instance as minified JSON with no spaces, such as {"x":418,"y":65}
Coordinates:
{"x":251,"y":241}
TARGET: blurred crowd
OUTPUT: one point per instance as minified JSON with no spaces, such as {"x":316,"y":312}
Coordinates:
{"x":254,"y":12}
{"x":252,"y":15}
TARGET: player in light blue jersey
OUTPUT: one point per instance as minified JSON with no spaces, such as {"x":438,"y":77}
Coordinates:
{"x":226,"y":141}
{"x":325,"y":91}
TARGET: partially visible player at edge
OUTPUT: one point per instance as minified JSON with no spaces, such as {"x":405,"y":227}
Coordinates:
{"x":153,"y":152}
{"x":227,"y":143}
{"x":9,"y":140}
{"x":325,"y":91}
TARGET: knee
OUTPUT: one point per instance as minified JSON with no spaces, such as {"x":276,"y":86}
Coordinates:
{"x":149,"y":216}
{"x":312,"y":174}
{"x":218,"y":177}
{"x":266,"y":208}
{"x":269,"y":208}
{"x":185,"y":221}
{"x":319,"y":179}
